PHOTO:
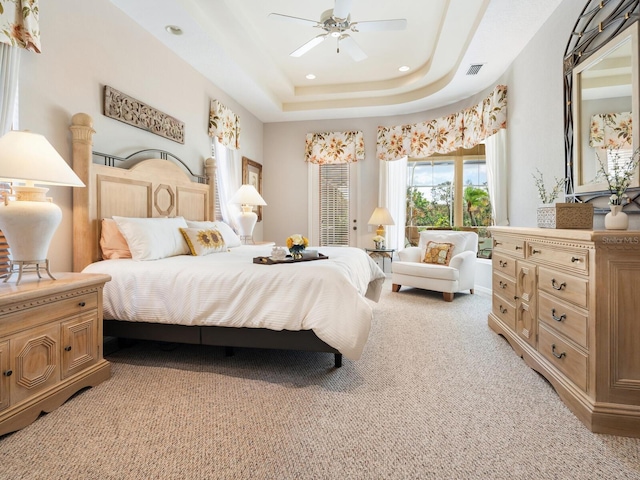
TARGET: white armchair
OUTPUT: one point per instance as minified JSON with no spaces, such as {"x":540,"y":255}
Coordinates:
{"x":458,"y":274}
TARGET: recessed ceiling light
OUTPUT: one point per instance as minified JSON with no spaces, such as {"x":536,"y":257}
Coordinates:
{"x":310,"y":76}
{"x":173,"y":29}
{"x":404,"y":68}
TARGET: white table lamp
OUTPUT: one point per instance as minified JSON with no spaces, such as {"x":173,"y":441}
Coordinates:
{"x":247,"y":196}
{"x":28,"y":218}
{"x":381,"y":217}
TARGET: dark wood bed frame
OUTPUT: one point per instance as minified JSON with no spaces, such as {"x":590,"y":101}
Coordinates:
{"x":156,"y":188}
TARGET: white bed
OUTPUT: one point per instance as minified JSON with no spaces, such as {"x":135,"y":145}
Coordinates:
{"x":218,"y":299}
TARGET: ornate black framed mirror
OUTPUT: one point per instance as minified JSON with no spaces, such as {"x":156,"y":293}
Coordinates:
{"x":601,"y":93}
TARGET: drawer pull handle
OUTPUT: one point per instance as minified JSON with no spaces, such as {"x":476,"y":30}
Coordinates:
{"x":518,"y":247}
{"x":556,"y":285}
{"x":574,"y":259}
{"x":553,"y":350}
{"x":67,"y":349}
{"x":557,"y":319}
{"x":496,"y":243}
{"x":82,"y":304}
{"x":502,"y":263}
{"x":534,"y":251}
{"x":8,"y":373}
{"x":502,"y":284}
{"x":502,"y":310}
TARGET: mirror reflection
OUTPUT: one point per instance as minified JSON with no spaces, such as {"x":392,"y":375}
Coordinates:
{"x":603,"y":96}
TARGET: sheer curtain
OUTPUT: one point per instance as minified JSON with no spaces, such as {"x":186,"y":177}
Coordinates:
{"x":9,"y":71}
{"x":496,"y":154}
{"x":393,"y":195}
{"x":229,"y":180}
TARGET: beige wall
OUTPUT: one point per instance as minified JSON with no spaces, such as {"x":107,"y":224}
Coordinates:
{"x":89,"y":44}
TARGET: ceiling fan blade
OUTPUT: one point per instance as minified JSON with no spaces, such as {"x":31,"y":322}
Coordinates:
{"x":342,"y":8}
{"x":352,"y":48}
{"x":379,"y":25}
{"x":308,"y":46}
{"x":288,"y":18}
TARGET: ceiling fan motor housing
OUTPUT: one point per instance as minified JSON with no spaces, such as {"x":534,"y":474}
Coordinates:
{"x":334,"y":26}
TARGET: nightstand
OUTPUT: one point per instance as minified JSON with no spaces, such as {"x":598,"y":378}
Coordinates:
{"x":50,"y":344}
{"x":381,"y":252}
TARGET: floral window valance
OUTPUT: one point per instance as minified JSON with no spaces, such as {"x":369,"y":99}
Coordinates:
{"x":19,"y":25}
{"x":611,"y":130}
{"x":224,"y":125}
{"x":459,"y":130}
{"x":334,"y":147}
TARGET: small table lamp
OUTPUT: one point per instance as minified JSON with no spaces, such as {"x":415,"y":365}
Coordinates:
{"x":28,"y":218}
{"x":381,"y":217}
{"x":247,"y":196}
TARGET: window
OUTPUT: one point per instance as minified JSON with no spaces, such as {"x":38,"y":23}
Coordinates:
{"x":448,"y":191}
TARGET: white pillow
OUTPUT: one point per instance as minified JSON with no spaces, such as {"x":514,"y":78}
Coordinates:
{"x":230,"y":238}
{"x":153,"y":238}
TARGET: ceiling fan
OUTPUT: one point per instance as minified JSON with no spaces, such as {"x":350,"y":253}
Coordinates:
{"x":337,"y":23}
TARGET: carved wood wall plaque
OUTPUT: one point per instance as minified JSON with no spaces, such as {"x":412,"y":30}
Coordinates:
{"x":127,"y":109}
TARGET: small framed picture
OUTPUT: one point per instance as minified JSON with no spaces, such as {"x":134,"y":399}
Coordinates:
{"x":252,"y":175}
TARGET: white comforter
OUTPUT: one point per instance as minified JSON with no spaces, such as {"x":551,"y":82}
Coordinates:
{"x":228,"y":289}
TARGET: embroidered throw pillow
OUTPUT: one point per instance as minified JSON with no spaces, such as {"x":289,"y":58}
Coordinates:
{"x":203,"y":241}
{"x":230,"y":238}
{"x":438,"y":253}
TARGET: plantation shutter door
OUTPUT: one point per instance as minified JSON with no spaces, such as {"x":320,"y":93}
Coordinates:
{"x":334,"y":204}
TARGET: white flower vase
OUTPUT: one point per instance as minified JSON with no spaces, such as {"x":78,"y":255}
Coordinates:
{"x":616,"y":219}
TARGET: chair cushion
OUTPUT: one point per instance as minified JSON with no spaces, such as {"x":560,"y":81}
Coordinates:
{"x":438,"y":253}
{"x":426,"y":270}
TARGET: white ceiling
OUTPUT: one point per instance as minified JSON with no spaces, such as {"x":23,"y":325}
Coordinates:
{"x":245,"y":52}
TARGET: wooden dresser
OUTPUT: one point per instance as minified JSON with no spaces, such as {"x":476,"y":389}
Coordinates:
{"x":50,"y":344}
{"x":568,"y":302}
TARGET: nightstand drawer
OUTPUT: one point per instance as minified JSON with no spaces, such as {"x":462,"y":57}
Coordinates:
{"x":565,"y":319}
{"x":564,"y":286}
{"x":569,"y":360}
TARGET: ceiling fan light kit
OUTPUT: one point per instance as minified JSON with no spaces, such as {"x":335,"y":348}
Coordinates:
{"x":337,"y":23}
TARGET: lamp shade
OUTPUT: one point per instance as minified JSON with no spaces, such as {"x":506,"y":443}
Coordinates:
{"x":247,"y":195}
{"x":381,"y":216}
{"x":29,"y":157}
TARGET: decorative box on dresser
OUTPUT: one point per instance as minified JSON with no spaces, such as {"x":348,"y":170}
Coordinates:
{"x":50,"y":344}
{"x":568,"y":303}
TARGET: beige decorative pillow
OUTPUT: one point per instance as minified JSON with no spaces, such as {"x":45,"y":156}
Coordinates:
{"x":438,"y":253}
{"x":112,"y":243}
{"x":203,"y":241}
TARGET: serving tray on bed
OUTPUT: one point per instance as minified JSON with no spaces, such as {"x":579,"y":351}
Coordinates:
{"x":288,"y":259}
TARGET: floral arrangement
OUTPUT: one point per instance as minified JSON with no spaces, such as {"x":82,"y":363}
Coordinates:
{"x":619,"y":176}
{"x":542,"y":191}
{"x":378,"y":240}
{"x":297,"y":243}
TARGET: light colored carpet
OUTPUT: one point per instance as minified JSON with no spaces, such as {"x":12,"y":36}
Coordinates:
{"x":436,"y":395}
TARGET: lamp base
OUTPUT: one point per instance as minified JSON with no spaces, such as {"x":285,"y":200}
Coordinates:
{"x":380,"y":230}
{"x":28,"y":266}
{"x":246,"y":223}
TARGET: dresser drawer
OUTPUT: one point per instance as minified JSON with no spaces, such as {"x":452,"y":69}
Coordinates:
{"x":575,"y":259}
{"x":569,"y":360}
{"x":565,"y":319}
{"x":503,"y":264}
{"x":564,"y":286}
{"x":504,"y":286}
{"x":505,"y":311}
{"x":510,"y":245}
